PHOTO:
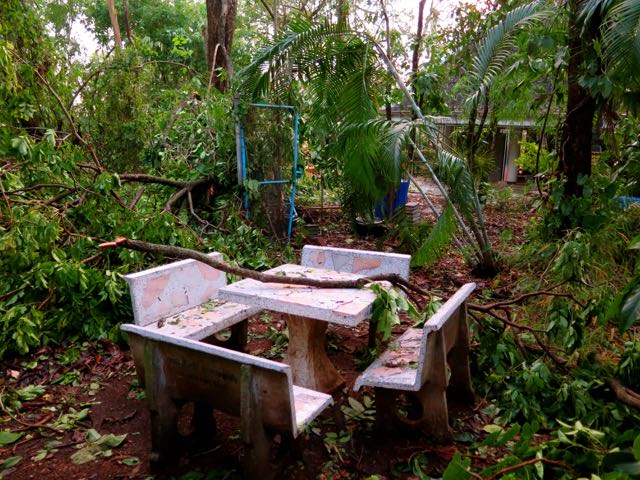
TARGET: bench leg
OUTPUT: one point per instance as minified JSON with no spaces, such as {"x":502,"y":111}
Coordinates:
{"x":387,"y":419}
{"x":458,"y":359}
{"x":239,"y":333}
{"x":310,"y":366}
{"x":137,"y":353}
{"x":432,"y":395}
{"x":163,"y":409}
{"x":256,"y":459}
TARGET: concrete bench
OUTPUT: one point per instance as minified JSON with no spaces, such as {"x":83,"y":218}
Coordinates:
{"x":361,"y":262}
{"x":257,"y":390}
{"x":179,"y":299}
{"x":424,"y":365}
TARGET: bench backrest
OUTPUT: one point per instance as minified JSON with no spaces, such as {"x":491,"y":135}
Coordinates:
{"x":447,"y":319}
{"x":169,"y":289}
{"x":195,"y":371}
{"x":361,"y":262}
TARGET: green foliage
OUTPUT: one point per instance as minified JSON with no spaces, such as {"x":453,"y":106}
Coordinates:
{"x":384,"y":314}
{"x":58,"y":205}
{"x":173,"y":28}
{"x":527,"y":159}
{"x":117,"y":109}
{"x":96,"y":446}
{"x":7,"y":437}
{"x":589,"y":212}
{"x":496,"y":48}
{"x":357,"y":411}
{"x":438,"y":239}
{"x":628,"y":368}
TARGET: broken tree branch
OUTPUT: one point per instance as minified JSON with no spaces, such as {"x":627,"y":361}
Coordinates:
{"x":179,"y":252}
{"x":624,"y":394}
{"x":521,"y":298}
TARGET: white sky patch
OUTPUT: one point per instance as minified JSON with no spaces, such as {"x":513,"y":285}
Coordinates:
{"x":86,"y":41}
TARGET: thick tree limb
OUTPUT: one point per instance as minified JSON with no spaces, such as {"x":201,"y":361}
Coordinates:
{"x":179,"y":252}
{"x":136,"y":199}
{"x":144,"y":178}
{"x":624,"y":394}
{"x":267,"y":8}
{"x":61,"y":195}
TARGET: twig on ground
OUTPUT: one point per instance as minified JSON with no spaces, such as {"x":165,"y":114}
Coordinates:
{"x":531,"y":461}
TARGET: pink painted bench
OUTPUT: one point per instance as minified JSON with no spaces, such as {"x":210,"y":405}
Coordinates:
{"x":259,"y":391}
{"x":424,"y":365}
{"x":360,"y":262}
{"x":180,"y":299}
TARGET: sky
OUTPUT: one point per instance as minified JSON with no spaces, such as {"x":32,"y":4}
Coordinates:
{"x":407,"y":15}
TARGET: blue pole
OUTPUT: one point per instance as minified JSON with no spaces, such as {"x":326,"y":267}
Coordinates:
{"x":293,"y":175}
{"x":244,"y":171}
{"x":266,"y":182}
{"x":266,"y":105}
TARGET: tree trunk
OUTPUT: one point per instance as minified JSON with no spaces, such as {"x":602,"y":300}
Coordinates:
{"x":342,"y":11}
{"x":221,"y":17}
{"x":127,"y":22}
{"x":575,"y":136}
{"x":415,"y":59}
{"x":117,"y":39}
{"x":415,"y":63}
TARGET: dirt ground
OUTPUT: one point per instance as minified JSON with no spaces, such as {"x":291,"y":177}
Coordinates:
{"x":102,"y":381}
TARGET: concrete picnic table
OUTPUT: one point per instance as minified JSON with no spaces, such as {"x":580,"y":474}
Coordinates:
{"x":309,"y":311}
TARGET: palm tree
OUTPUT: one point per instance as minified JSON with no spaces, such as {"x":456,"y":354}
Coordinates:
{"x":338,"y":65}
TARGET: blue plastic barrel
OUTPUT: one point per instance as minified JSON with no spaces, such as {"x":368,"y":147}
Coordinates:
{"x":624,"y":202}
{"x":400,"y":198}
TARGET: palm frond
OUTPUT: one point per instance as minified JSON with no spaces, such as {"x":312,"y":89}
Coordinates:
{"x":621,"y":40}
{"x":590,"y":10}
{"x":303,"y":48}
{"x":372,"y":153}
{"x":454,"y":173}
{"x":435,"y":244}
{"x":495,"y":48}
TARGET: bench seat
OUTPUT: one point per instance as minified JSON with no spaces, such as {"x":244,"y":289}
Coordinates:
{"x":180,"y":299}
{"x":257,"y":390}
{"x":203,"y":321}
{"x":424,"y":364}
{"x":397,"y":367}
{"x":308,"y":404}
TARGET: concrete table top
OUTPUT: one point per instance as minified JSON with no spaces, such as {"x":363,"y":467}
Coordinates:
{"x":343,"y":306}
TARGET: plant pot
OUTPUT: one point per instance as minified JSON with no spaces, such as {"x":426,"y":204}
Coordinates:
{"x":364,"y":228}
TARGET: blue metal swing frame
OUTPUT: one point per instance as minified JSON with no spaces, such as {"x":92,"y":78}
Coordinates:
{"x":243,"y":154}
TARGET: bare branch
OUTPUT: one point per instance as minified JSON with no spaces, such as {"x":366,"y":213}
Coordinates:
{"x":624,"y":394}
{"x":531,"y":461}
{"x":69,"y":119}
{"x":179,"y":252}
{"x":268,"y":9}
